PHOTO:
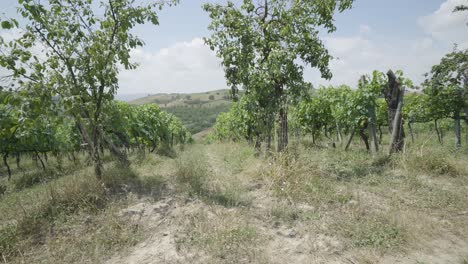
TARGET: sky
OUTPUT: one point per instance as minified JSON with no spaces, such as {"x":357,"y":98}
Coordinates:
{"x":411,"y":35}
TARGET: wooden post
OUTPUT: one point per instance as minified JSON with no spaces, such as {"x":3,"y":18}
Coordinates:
{"x":457,"y":127}
{"x":372,"y":124}
{"x":397,"y":125}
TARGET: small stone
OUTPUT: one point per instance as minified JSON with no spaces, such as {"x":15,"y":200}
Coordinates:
{"x":292,"y":234}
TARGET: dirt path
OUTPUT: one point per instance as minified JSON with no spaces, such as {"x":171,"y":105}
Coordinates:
{"x":277,"y":243}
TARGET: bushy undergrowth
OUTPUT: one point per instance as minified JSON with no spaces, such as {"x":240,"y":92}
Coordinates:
{"x":33,"y":225}
{"x":67,"y":197}
{"x":433,"y":163}
{"x":374,"y":231}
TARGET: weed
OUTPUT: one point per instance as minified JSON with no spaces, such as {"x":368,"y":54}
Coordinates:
{"x":435,"y":163}
{"x":227,"y":238}
{"x":374,"y":231}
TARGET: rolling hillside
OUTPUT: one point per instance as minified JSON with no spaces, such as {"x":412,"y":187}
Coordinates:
{"x":198,"y":111}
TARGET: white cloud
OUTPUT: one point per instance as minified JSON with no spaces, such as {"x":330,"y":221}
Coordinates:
{"x":355,"y":56}
{"x":446,"y":26}
{"x":192,"y":67}
{"x":361,"y":54}
{"x":183,"y":67}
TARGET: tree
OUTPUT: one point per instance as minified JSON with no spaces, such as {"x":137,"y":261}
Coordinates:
{"x":84,"y":43}
{"x":447,"y":89}
{"x":211,"y":97}
{"x":260,"y":45}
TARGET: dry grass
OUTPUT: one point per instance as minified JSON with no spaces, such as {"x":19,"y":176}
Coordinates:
{"x":71,"y":218}
{"x":196,"y":176}
{"x":222,"y":237}
{"x":308,"y":204}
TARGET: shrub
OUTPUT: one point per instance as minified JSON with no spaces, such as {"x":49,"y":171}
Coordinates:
{"x":375,"y":232}
{"x":9,"y":241}
{"x":192,"y":172}
{"x":28,"y":179}
{"x":77,"y":194}
{"x":435,"y":163}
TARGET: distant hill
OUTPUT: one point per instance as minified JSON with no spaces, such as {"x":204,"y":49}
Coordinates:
{"x":198,"y":111}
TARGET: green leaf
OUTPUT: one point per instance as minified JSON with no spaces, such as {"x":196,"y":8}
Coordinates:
{"x":6,"y":24}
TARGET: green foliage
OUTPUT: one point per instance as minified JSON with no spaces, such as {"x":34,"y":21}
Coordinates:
{"x":435,"y":163}
{"x":375,"y":232}
{"x":260,"y":46}
{"x":197,"y":119}
{"x":81,"y":62}
{"x":446,"y":85}
{"x":144,"y":126}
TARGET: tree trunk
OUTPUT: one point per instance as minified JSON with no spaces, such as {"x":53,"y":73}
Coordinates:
{"x":38,"y":156}
{"x":121,"y":155}
{"x":350,"y":139}
{"x":18,"y":161}
{"x":364,"y":137}
{"x":313,"y":134}
{"x":268,"y":141}
{"x":338,"y":133}
{"x":439,"y":136}
{"x":380,"y":135}
{"x":98,"y":166}
{"x":5,"y":161}
{"x":457,"y":127}
{"x":258,"y":144}
{"x":466,"y":114}
{"x":410,"y":127}
{"x":372,"y":124}
{"x":282,"y":129}
{"x":394,"y":93}
{"x":93,"y":147}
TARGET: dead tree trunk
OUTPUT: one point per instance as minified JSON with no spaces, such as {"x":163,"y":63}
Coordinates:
{"x":393,"y":93}
{"x":394,"y":143}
